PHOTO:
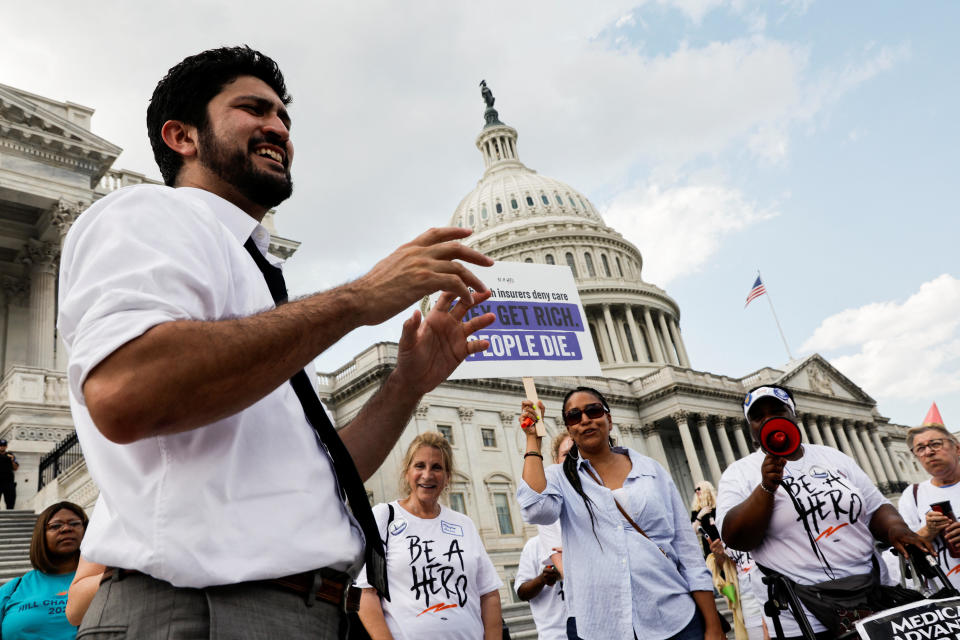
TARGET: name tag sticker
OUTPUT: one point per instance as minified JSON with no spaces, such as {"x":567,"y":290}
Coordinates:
{"x":451,"y":529}
{"x":397,"y":526}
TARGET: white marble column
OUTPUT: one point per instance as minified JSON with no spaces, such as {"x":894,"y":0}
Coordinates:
{"x":665,"y":333}
{"x":63,"y":215}
{"x":812,"y":428}
{"x":652,"y":334}
{"x":16,"y":292}
{"x":696,"y":471}
{"x":638,"y":340}
{"x":636,"y":438}
{"x":860,"y":431}
{"x":4,"y":301}
{"x":611,"y":331}
{"x":721,"y":427}
{"x":624,"y":342}
{"x":651,"y":436}
{"x":41,"y":259}
{"x":803,"y":430}
{"x":420,"y":418}
{"x":828,"y":437}
{"x":842,"y":440}
{"x":709,"y":449}
{"x":678,"y":341}
{"x":885,"y":458}
{"x":738,"y":436}
{"x":603,"y":341}
{"x":861,"y":457}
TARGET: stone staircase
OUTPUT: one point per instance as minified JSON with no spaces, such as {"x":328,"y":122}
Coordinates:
{"x":16,"y":529}
{"x":519,"y":620}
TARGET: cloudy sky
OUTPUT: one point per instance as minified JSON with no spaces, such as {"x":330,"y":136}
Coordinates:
{"x":814,"y":141}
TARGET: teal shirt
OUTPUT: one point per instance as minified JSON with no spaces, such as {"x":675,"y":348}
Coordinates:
{"x":33,"y":608}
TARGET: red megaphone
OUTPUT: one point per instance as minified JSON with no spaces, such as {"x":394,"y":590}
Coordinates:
{"x":780,"y":437}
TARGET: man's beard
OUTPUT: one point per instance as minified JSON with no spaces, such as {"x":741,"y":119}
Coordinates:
{"x":235,"y":166}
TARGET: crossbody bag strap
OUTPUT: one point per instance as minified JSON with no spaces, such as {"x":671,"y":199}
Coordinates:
{"x":390,"y":517}
{"x":624,"y":513}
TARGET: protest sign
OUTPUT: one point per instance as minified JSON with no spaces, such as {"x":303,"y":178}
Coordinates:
{"x":540,"y":327}
{"x":924,"y":620}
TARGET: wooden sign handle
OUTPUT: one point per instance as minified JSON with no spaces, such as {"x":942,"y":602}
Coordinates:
{"x":531,"y":390}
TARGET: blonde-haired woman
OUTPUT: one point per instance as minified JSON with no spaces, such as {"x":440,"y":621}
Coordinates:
{"x":703,"y":514}
{"x":442,"y":583}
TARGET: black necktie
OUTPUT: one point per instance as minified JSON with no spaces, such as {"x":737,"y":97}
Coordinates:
{"x":343,"y":466}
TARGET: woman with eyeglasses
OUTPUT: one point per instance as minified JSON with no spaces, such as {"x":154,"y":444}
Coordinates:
{"x":32,"y":607}
{"x":926,"y":506}
{"x":632,"y":565}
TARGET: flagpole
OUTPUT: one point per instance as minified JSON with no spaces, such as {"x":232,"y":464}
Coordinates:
{"x":775,"y":319}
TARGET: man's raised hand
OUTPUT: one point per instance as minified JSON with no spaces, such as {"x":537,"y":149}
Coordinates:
{"x":416,"y":269}
{"x":432,"y":347}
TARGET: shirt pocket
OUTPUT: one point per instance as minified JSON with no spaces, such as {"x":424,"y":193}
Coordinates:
{"x":645,"y":506}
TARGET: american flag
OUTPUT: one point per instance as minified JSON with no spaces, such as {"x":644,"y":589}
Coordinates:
{"x":757,"y":291}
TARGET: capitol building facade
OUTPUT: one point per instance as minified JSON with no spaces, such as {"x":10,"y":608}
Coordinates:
{"x":52,"y":166}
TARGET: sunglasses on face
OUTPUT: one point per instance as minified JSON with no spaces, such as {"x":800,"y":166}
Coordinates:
{"x":574,"y":416}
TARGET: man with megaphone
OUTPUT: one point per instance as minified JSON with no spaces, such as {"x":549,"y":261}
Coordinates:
{"x":807,"y":512}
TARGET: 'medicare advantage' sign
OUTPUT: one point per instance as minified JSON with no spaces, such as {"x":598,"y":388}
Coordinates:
{"x":540,"y":327}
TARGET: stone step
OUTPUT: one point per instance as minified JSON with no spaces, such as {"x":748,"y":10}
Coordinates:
{"x":15,"y":531}
{"x":13,"y":563}
{"x":16,"y":572}
{"x":519,"y":620}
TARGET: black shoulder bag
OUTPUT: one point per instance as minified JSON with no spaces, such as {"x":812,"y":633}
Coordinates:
{"x":839,"y":603}
{"x":357,"y":630}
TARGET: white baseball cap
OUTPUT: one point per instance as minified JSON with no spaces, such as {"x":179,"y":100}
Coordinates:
{"x":763,"y":392}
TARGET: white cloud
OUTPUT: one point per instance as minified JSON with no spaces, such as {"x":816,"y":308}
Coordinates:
{"x":757,"y":22}
{"x":697,"y":9}
{"x":899,"y":350}
{"x":679,"y":227}
{"x":626,"y":21}
{"x":795,"y":7}
{"x":831,"y":84}
{"x":386,"y":107}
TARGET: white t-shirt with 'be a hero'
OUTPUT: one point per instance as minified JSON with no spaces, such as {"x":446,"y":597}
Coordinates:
{"x":837,"y":500}
{"x":437,"y":570}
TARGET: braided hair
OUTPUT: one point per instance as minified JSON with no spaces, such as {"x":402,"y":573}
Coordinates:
{"x":570,"y":463}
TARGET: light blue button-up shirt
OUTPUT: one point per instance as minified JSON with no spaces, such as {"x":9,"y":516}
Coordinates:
{"x":623,"y":585}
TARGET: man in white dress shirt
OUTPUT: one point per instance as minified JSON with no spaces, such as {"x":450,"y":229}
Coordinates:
{"x":221,"y":508}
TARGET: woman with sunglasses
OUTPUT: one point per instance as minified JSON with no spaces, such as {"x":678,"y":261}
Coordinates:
{"x":633,"y":567}
{"x":32,"y":607}
{"x":939,"y":453}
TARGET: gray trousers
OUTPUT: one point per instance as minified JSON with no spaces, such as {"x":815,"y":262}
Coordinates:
{"x":138,"y":607}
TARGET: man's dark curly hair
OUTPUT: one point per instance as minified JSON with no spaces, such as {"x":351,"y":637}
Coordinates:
{"x":183,"y":94}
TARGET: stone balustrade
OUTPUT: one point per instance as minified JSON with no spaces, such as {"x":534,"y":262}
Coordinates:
{"x":379,"y":354}
{"x":31,"y":385}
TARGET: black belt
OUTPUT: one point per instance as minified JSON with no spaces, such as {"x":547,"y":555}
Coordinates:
{"x":323,"y":584}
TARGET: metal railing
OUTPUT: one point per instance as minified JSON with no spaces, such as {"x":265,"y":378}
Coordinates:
{"x":66,"y":454}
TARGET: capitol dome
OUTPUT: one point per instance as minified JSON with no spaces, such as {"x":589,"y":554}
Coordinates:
{"x":518,"y":214}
